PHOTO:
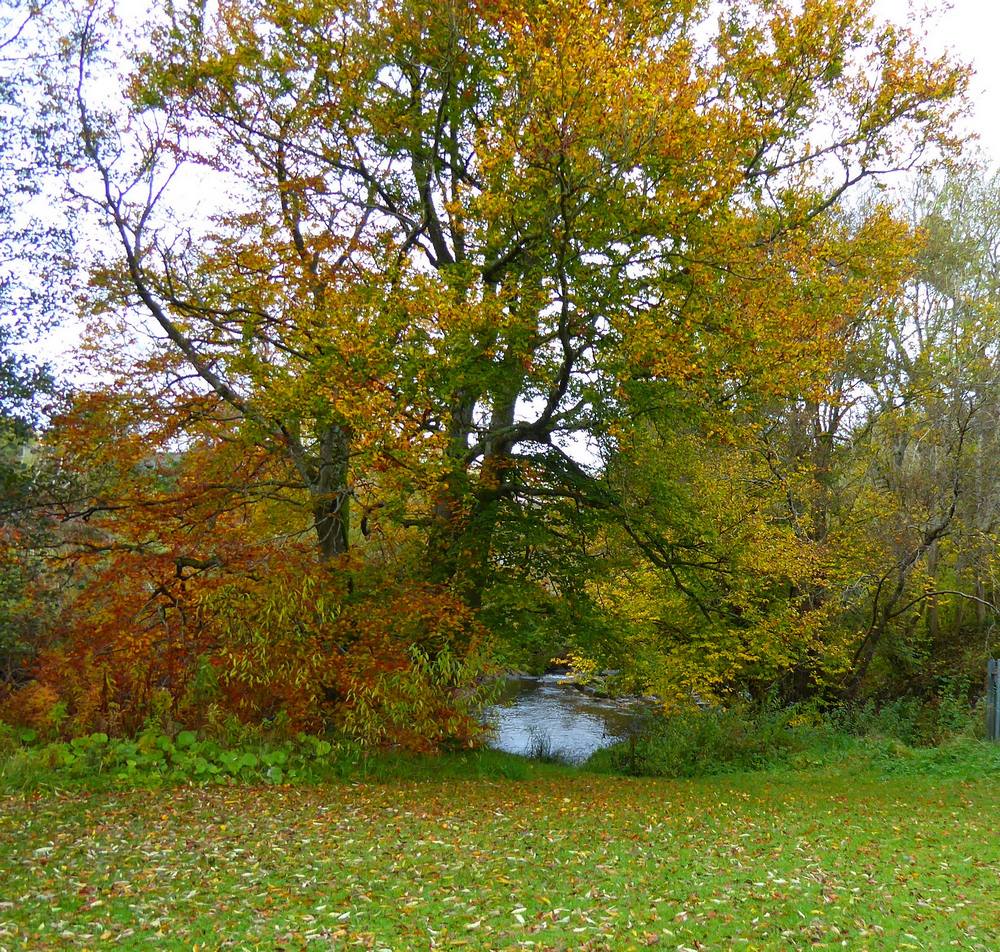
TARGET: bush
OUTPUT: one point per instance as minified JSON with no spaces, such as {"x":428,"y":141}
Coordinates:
{"x":34,"y":707}
{"x":388,"y":664}
{"x":935,"y":734}
{"x":914,"y":721}
{"x":153,"y":757}
{"x":698,"y":743}
{"x":412,"y":671}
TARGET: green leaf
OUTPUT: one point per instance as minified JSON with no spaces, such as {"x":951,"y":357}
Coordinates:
{"x":186,"y":739}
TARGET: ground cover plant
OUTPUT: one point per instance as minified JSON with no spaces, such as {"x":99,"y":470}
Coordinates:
{"x":154,"y":759}
{"x":906,"y":735}
{"x":556,"y":860}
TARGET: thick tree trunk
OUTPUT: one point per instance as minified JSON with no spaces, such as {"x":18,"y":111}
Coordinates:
{"x":330,"y":492}
{"x":449,"y":518}
{"x":473,"y":568}
{"x":461,"y":540}
{"x":466,"y":515}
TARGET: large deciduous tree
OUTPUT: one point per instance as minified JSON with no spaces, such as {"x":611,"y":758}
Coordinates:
{"x":455,"y":232}
{"x":441,"y":285}
{"x":33,"y":282}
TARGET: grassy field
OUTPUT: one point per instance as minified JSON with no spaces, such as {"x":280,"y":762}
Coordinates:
{"x":558,"y":860}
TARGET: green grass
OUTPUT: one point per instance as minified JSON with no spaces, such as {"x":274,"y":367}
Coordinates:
{"x":557,"y":859}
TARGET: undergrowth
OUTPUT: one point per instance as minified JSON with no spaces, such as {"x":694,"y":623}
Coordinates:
{"x":154,"y":758}
{"x":905,"y":737}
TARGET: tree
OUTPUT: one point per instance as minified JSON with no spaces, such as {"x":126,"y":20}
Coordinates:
{"x":32,"y":277}
{"x":465,"y":267}
{"x":930,"y":434}
{"x":26,"y":308}
{"x":460,"y":229}
{"x":864,"y":513}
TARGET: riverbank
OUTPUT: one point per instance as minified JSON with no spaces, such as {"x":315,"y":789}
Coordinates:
{"x":557,"y":860}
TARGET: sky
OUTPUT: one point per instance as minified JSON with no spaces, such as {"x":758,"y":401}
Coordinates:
{"x":970,"y":29}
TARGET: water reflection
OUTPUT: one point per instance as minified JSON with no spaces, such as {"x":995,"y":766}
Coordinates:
{"x":541,"y":714}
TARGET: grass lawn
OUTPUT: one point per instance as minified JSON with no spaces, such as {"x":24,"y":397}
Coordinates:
{"x":560,"y":860}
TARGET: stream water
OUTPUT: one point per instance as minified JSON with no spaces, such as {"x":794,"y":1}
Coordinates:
{"x":539,"y":713}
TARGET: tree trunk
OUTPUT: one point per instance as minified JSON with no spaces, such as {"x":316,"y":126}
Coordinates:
{"x":449,"y":516}
{"x":330,"y":492}
{"x":460,"y":542}
{"x":931,"y":612}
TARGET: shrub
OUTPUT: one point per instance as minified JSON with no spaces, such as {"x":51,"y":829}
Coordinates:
{"x":696,"y":742}
{"x":392,"y":665}
{"x":153,"y":757}
{"x":411,"y":671}
{"x":34,"y":707}
{"x":916,"y":722}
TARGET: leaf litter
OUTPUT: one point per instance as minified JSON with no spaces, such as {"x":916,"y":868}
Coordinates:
{"x":758,"y":862}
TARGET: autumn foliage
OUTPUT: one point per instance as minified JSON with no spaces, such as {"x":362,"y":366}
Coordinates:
{"x":275,"y":636}
{"x":498,"y":316}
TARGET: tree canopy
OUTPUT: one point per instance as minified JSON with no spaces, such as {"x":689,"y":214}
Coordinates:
{"x":547,"y":324}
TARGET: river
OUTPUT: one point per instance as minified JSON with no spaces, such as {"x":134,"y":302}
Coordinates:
{"x":541,"y":715}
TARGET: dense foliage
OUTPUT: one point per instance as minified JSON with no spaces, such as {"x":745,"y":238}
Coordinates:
{"x":432,"y":338}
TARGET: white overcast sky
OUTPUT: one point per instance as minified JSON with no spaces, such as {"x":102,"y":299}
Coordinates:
{"x":971,"y":30}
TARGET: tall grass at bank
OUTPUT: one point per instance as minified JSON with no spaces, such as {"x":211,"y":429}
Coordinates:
{"x":944,"y":735}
